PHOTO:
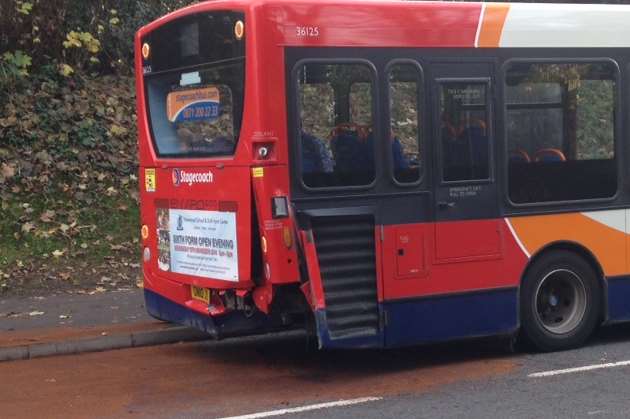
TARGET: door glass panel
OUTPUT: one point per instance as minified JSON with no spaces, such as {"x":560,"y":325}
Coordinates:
{"x":464,"y":131}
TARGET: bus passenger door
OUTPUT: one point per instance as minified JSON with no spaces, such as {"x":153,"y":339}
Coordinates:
{"x":467,"y":241}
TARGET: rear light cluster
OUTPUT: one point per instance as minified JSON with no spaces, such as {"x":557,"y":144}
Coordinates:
{"x":146,"y":253}
{"x":279,"y":207}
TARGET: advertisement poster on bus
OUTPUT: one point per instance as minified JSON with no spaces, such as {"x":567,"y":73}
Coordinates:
{"x":200,"y":243}
{"x":193,"y":104}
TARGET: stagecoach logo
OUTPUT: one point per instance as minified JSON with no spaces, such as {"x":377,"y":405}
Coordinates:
{"x":188,"y":178}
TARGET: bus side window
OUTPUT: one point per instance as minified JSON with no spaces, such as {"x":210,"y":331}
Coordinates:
{"x":360,"y":101}
{"x":335,"y":151}
{"x":317,"y":116}
{"x":563,"y":116}
{"x":464,"y":131}
{"x":405,"y":94}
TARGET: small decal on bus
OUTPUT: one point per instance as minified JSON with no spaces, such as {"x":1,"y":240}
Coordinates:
{"x":258,"y":172}
{"x":149,"y":180}
{"x":307,"y":31}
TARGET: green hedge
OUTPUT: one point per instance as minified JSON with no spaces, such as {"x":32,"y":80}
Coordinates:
{"x":73,"y":35}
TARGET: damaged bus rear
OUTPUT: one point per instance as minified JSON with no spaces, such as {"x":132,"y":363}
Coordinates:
{"x":219,"y":251}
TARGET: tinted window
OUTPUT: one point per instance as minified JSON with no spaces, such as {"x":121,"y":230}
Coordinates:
{"x":335,"y":124}
{"x":464,"y":131}
{"x":361,"y":104}
{"x":194,"y":40}
{"x":561,"y":131}
{"x":405,"y":92}
{"x":196,"y":113}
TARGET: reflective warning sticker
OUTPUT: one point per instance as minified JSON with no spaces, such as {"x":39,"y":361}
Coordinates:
{"x":149,"y":180}
{"x":258,"y":172}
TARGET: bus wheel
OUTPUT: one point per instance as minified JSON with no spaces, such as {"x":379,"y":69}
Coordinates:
{"x":560,"y":302}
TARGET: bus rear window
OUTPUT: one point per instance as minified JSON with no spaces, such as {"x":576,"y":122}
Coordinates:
{"x":194,"y":82}
{"x":196,"y":113}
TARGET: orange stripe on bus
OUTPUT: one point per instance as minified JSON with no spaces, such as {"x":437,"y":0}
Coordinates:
{"x":607,"y":244}
{"x":492,"y":25}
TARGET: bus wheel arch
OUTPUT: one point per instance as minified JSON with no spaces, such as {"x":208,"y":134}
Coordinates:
{"x":561,"y":296}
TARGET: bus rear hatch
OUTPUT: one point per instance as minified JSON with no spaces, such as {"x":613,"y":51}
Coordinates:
{"x":196,"y":197}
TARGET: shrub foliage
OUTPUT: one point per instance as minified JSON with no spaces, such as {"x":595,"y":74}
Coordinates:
{"x":74,"y":34}
{"x":68,"y":185}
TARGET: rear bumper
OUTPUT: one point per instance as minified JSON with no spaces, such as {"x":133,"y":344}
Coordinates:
{"x":231,"y":324}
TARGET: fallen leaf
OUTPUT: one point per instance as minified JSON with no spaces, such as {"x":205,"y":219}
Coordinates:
{"x":47,"y":216}
{"x":97,"y":290}
{"x":27,"y":227}
{"x":7,"y":171}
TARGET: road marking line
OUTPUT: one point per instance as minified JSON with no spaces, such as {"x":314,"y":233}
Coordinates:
{"x":579,"y":369}
{"x":339,"y":403}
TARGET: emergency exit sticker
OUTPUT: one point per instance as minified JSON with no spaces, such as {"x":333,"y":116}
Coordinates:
{"x":149,"y":180}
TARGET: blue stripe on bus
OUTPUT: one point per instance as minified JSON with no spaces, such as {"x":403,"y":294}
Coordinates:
{"x":450,"y":317}
{"x":409,"y":321}
{"x":435,"y":319}
{"x":618,"y":298}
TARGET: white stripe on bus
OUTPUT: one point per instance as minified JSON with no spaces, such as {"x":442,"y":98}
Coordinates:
{"x":615,"y":219}
{"x":480,"y":24}
{"x":520,"y":244}
{"x":566,"y":26}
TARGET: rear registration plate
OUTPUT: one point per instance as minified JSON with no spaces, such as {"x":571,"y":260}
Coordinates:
{"x":201,"y":294}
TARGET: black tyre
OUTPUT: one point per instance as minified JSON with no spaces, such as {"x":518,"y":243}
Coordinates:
{"x":560,"y":302}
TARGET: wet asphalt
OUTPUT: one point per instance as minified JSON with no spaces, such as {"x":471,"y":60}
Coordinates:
{"x":473,"y":379}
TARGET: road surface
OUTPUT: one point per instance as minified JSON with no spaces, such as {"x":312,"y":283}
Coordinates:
{"x":282,"y":374}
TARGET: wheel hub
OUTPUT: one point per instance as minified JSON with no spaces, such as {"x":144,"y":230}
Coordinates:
{"x":561,"y":301}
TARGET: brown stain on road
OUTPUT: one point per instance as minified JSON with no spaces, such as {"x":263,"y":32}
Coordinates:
{"x":231,"y":378}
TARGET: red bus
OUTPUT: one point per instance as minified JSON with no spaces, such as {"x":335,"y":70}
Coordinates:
{"x":390,"y":173}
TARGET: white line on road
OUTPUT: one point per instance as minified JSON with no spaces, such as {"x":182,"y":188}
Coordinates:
{"x":579,"y":369}
{"x":339,"y":403}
